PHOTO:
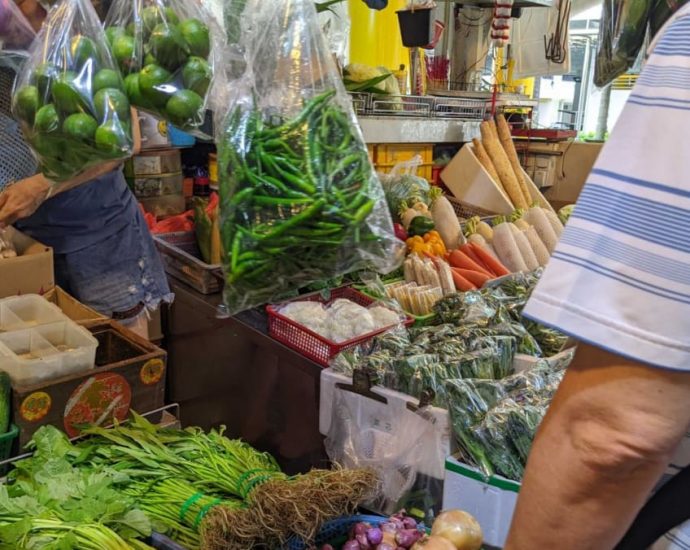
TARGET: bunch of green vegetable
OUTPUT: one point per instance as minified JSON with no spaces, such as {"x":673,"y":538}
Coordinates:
{"x":70,"y":98}
{"x":163,"y":48}
{"x":298,"y":201}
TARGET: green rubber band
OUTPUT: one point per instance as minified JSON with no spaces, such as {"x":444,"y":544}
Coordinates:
{"x":188,"y":504}
{"x":205,"y":510}
{"x":245,"y":477}
{"x":255,"y":482}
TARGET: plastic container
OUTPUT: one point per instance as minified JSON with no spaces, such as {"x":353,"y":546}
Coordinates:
{"x":308,"y":343}
{"x":46,"y":352}
{"x":30,"y":310}
{"x":334,"y":532}
{"x":157,"y":186}
{"x":417,"y":27}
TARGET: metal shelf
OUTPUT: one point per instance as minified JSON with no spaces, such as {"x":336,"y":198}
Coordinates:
{"x":516,"y":4}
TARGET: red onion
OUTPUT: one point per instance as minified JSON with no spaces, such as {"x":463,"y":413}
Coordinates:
{"x":375,"y":535}
{"x":363,"y":541}
{"x":407,"y":537}
{"x":352,"y":545}
{"x":389,"y":527}
{"x":385,"y":546}
{"x":361,"y":528}
{"x":409,"y":523}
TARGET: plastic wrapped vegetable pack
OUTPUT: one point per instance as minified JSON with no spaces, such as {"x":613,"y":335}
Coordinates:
{"x":299,"y":199}
{"x":165,"y":51}
{"x":70,"y":97}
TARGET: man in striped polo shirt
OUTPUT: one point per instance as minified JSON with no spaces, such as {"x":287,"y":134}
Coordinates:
{"x":619,"y":282}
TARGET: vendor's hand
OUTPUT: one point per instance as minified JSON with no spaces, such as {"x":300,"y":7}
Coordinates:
{"x":22,"y":199}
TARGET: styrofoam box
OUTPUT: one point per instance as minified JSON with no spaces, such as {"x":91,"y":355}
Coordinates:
{"x":46,"y":352}
{"x":491,"y":501}
{"x":30,"y":310}
{"x":442,"y":424}
{"x":522,"y":363}
{"x":471,"y":184}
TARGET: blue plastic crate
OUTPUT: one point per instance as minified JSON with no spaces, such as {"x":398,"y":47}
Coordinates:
{"x":333,"y":530}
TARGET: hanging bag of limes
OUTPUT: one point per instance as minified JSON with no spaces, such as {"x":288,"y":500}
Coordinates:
{"x":164,"y":51}
{"x":69,"y":96}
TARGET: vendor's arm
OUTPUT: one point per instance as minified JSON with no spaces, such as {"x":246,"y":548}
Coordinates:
{"x":619,"y":281}
{"x":23,"y":198}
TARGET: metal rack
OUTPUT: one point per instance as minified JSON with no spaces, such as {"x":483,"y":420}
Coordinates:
{"x":435,"y":107}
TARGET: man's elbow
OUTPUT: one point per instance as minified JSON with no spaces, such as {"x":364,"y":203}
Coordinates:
{"x":615,"y":444}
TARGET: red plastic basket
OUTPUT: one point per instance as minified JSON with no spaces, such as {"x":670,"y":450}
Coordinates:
{"x":308,"y":343}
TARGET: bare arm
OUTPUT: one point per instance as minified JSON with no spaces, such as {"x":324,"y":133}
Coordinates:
{"x":24,"y":197}
{"x":607,"y":438}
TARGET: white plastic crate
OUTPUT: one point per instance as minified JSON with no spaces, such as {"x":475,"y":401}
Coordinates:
{"x":27,"y":311}
{"x":46,"y":352}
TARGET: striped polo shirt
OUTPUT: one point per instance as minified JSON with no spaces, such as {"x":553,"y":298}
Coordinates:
{"x":620,"y":276}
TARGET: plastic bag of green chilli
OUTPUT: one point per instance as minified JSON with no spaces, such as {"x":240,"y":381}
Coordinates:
{"x":300,"y":201}
{"x":165,"y":51}
{"x":69,"y":96}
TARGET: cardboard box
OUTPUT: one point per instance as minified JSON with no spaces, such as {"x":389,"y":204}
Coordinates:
{"x":72,"y":308}
{"x":471,"y":184}
{"x":492,"y":501}
{"x":31,"y":272}
{"x":129,"y":375}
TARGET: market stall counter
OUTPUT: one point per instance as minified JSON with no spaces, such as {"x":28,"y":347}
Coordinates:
{"x":229,"y":371}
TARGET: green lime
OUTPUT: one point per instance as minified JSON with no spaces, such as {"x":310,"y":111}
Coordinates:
{"x":168,"y":46}
{"x":44,"y":76}
{"x":48,"y":146}
{"x":154,"y":15}
{"x":184,"y":108}
{"x":112,"y":138}
{"x":81,"y":50}
{"x":47,"y":119}
{"x":196,"y":36}
{"x":133,"y":91}
{"x":106,"y":78}
{"x":66,"y":94}
{"x":150,"y":60}
{"x":80,"y":127}
{"x":109,"y":101}
{"x":26,"y":103}
{"x":111,"y":33}
{"x":131,"y":29}
{"x":196,"y":75}
{"x":124,"y":50}
{"x":154,"y":85}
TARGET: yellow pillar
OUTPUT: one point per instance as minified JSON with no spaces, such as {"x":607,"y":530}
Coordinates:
{"x":375,"y":35}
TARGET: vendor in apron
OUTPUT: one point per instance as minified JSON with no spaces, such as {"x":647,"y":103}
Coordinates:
{"x":104,"y":254}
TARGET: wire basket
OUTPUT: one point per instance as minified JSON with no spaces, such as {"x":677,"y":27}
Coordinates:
{"x":309,"y":343}
{"x":335,"y":532}
{"x":467,"y":211}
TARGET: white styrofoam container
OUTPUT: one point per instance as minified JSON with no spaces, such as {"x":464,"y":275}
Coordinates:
{"x":491,"y":501}
{"x":26,"y":311}
{"x":471,"y":184}
{"x":522,"y":362}
{"x":442,"y":425}
{"x":47,"y":352}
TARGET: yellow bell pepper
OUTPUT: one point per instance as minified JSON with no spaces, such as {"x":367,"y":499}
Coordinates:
{"x":431,"y":243}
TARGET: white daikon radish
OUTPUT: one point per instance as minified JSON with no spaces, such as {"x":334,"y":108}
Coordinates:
{"x":481,"y":241}
{"x":525,"y":249}
{"x":537,"y":246}
{"x":446,"y":220}
{"x":521,"y":224}
{"x":537,"y":218}
{"x":507,"y":249}
{"x":554,"y":221}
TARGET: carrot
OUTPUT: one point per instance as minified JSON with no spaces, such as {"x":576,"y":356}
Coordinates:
{"x":474,"y":277}
{"x":497,"y":267}
{"x":458,"y":258}
{"x":470,"y":253}
{"x":461,"y":283}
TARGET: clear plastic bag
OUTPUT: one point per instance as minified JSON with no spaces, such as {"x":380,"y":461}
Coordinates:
{"x":16,"y":33}
{"x":392,"y":440}
{"x":165,"y":50}
{"x":299,"y":198}
{"x":7,"y":249}
{"x":69,"y":96}
{"x":621,"y":36}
